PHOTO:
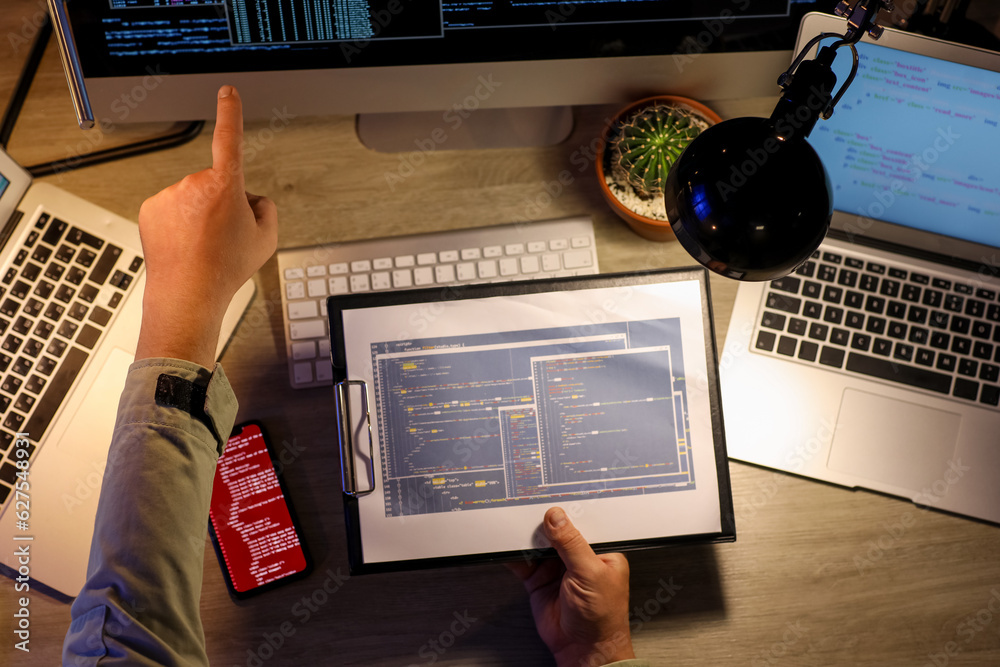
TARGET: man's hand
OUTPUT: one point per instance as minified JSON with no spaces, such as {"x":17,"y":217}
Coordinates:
{"x":202,"y":238}
{"x":580,"y":602}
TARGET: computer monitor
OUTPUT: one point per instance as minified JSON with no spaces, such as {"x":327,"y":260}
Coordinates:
{"x":154,"y":60}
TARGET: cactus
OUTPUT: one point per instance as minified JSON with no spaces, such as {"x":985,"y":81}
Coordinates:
{"x":647,"y":144}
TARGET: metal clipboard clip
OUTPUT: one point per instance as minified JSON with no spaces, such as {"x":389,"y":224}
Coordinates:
{"x":345,"y":428}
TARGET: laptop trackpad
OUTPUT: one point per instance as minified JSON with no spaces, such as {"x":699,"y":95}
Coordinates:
{"x":892,"y":441}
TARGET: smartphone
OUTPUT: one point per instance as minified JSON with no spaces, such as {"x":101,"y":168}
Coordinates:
{"x":253,"y":526}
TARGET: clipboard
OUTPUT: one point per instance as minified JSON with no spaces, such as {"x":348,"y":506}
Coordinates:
{"x":464,"y":412}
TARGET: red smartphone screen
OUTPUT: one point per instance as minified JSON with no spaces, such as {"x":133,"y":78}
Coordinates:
{"x":256,"y":536}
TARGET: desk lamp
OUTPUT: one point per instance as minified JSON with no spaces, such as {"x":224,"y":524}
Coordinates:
{"x":749,"y":198}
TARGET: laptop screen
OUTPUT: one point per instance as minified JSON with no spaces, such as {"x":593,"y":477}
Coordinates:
{"x":915,"y":141}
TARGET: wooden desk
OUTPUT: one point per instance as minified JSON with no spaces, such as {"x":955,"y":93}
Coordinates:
{"x":819,"y":575}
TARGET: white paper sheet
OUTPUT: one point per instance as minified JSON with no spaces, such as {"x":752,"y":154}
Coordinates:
{"x":463,"y":477}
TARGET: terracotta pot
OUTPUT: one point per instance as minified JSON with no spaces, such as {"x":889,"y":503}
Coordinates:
{"x":650,"y":228}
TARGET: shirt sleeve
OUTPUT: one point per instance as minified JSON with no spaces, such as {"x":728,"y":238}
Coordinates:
{"x":140,"y":603}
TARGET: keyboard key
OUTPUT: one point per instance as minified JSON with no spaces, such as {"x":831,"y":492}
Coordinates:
{"x":423,"y":275}
{"x":911,"y":293}
{"x":827,"y":273}
{"x":307,"y":329}
{"x":60,"y":383}
{"x":13,"y":421}
{"x":11,"y":385}
{"x":833,"y":315}
{"x":968,"y":367}
{"x":338,"y":285}
{"x":854,"y":299}
{"x":840,"y":336}
{"x":341,"y":268}
{"x":990,"y":395}
{"x":100,"y":316}
{"x":903,"y":352}
{"x":875,"y":325}
{"x":22,"y":366}
{"x":551,"y":263}
{"x":385,"y":263}
{"x":54,"y":312}
{"x":578,"y":259}
{"x":946,"y":362}
{"x":932,"y":298}
{"x":963,"y":288}
{"x":959,"y":324}
{"x":135,"y":265}
{"x":847,"y":278}
{"x":961,"y":345}
{"x":832,"y":294}
{"x":54,"y":271}
{"x":88,"y":336}
{"x":423,"y":259}
{"x":360,"y":283}
{"x":467,"y":271}
{"x":854,"y":263}
{"x":811,"y":289}
{"x":53,"y":234}
{"x":981,"y":329}
{"x":316,"y":288}
{"x":787,"y":284}
{"x":938,"y":319}
{"x":445,"y":273}
{"x":102,"y":269}
{"x":75,"y":275}
{"x":868,"y":283}
{"x":954,"y":303}
{"x":896,"y":309}
{"x":22,"y":325}
{"x":530,"y":265}
{"x":797,"y":326}
{"x":765,"y":341}
{"x":381,"y":280}
{"x":917,"y":315}
{"x":46,"y":365}
{"x":295,"y":290}
{"x":818,"y":331}
{"x":925,"y":357}
{"x":85,"y":258}
{"x":896,"y":330}
{"x":784,"y":303}
{"x":87,"y":293}
{"x":875,"y":304}
{"x":806,"y":269}
{"x":882,"y":346}
{"x":982,"y":350}
{"x":975,"y":307}
{"x":808,"y":350}
{"x":967,"y":389}
{"x":854,"y":319}
{"x":20,"y":289}
{"x":78,"y":311}
{"x":860,"y":341}
{"x":469,"y":254}
{"x":896,"y":372}
{"x":773,"y":321}
{"x":402,"y":278}
{"x":920,"y":278}
{"x":77,"y":236}
{"x":919,"y":335}
{"x":33,"y":347}
{"x":941,"y":283}
{"x":812,"y":310}
{"x":889,"y":288}
{"x":786,"y":346}
{"x":897,"y":273}
{"x":580,"y":242}
{"x":303,"y":350}
{"x":120,"y":279}
{"x":297,"y":310}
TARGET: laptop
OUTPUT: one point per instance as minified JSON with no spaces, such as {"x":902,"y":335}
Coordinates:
{"x":71,"y":283}
{"x":876,"y":364}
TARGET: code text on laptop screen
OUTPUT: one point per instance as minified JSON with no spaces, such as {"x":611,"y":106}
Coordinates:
{"x":915,"y":142}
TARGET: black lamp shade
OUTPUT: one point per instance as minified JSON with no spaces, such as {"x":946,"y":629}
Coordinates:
{"x":749,"y":198}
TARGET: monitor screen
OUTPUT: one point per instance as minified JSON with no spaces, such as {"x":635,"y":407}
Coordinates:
{"x":122,"y":37}
{"x":351,"y":56}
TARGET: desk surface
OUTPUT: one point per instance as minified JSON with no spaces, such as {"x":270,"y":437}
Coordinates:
{"x":819,"y":575}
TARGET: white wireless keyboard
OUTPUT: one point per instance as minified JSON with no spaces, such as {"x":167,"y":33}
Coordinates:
{"x":517,"y":251}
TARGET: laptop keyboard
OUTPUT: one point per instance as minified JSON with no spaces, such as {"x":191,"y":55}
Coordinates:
{"x":888,"y":323}
{"x":547,"y":249}
{"x":58,"y":293}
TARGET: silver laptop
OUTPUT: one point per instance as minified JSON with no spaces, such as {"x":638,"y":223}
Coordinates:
{"x":71,"y":282}
{"x":877,"y":363}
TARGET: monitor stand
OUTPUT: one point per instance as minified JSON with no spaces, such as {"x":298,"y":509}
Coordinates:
{"x":461,"y":128}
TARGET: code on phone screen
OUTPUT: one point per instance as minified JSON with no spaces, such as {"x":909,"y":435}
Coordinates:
{"x":252,"y":524}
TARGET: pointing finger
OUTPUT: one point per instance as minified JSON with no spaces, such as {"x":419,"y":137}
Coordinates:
{"x":227,"y":142}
